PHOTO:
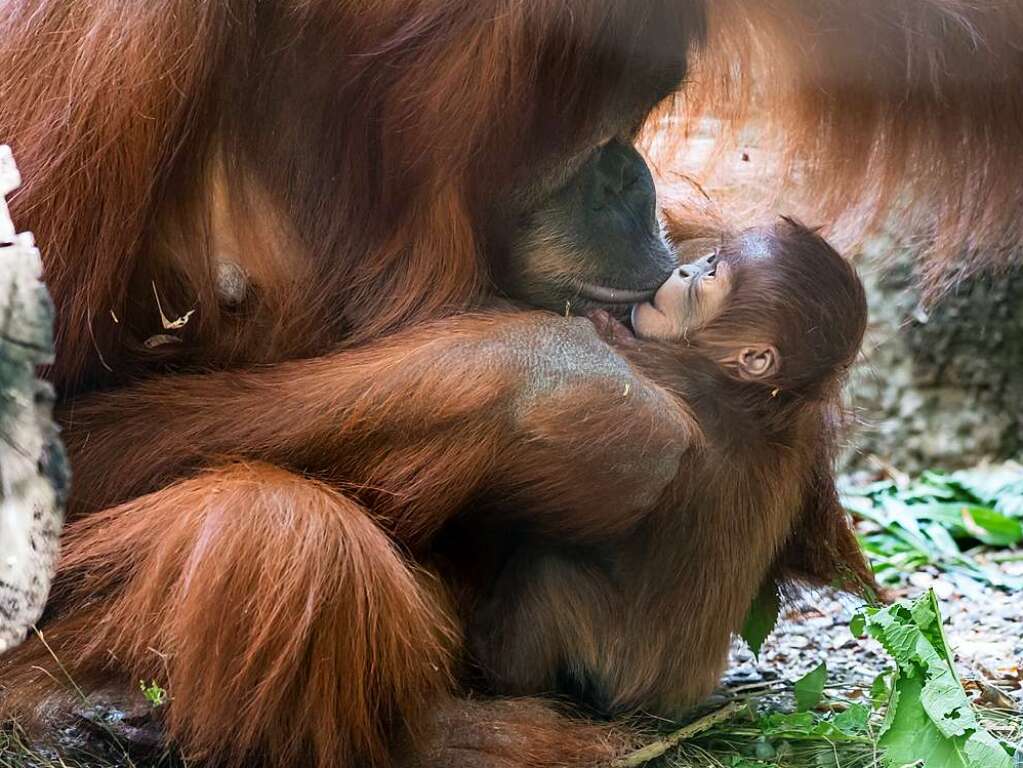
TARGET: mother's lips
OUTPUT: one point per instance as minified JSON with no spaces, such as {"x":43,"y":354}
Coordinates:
{"x":607,"y":295}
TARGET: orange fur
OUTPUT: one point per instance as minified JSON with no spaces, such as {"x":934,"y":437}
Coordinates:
{"x":875,"y":106}
{"x":336,"y":118}
{"x":517,"y":733}
{"x":277,"y":608}
{"x":349,"y":157}
{"x":243,"y":591}
{"x":644,"y":622}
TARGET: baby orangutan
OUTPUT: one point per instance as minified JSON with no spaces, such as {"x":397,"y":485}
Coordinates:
{"x":752,"y":339}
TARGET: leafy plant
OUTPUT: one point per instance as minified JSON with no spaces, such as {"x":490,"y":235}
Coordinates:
{"x":762,"y":617}
{"x":810,"y":688}
{"x":916,"y":715}
{"x":153,"y":693}
{"x":927,"y":521}
{"x":930,"y":721}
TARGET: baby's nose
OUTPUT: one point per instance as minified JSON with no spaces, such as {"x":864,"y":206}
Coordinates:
{"x":705,"y":265}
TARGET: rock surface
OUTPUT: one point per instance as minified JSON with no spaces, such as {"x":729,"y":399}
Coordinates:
{"x":942,"y":385}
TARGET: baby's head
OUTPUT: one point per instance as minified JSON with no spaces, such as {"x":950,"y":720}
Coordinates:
{"x":775,"y":305}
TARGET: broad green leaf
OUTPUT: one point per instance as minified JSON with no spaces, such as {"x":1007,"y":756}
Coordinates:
{"x":810,"y":688}
{"x":1011,"y":505}
{"x":912,"y":737}
{"x":858,"y":625}
{"x":985,"y":504}
{"x":973,"y":520}
{"x":943,"y":541}
{"x":860,"y":506}
{"x":988,"y":484}
{"x":762,"y":617}
{"x":901,"y":513}
{"x":992,"y":527}
{"x":871,"y":489}
{"x":930,"y":718}
{"x":923,"y":491}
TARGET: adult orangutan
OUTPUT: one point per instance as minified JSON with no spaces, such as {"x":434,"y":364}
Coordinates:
{"x":256,"y":216}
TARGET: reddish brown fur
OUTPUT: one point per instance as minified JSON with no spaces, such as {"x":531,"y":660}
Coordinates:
{"x":256,"y":593}
{"x":347,"y":154}
{"x":914,"y":105}
{"x":660,"y":645}
{"x":519,"y":733}
{"x":177,"y":571}
{"x":358,"y":155}
{"x":753,"y":499}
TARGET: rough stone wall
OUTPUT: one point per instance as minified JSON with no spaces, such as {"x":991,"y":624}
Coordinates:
{"x":941,"y":386}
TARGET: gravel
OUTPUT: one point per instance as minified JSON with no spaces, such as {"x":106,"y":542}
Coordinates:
{"x":984,"y":626}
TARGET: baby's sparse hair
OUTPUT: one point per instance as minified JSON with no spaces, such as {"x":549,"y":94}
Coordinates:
{"x":791,"y":289}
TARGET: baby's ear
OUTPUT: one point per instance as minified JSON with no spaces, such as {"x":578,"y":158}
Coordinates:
{"x":757,"y":363}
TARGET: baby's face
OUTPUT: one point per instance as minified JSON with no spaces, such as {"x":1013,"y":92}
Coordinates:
{"x":691,"y":297}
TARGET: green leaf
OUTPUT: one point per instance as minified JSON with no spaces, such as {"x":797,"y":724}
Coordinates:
{"x":964,"y":520}
{"x":810,"y":688}
{"x":943,"y":541}
{"x":930,"y":720}
{"x":1011,"y":505}
{"x":858,"y":624}
{"x":761,"y":618}
{"x":854,"y":720}
{"x":153,"y":693}
{"x":859,"y":506}
{"x":788,"y":724}
{"x":992,"y":527}
{"x":991,"y":483}
{"x":901,"y":513}
{"x":881,"y":690}
{"x":920,"y":523}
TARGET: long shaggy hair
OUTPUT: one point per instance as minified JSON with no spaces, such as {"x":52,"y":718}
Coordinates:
{"x":345,"y":159}
{"x":898,"y":112}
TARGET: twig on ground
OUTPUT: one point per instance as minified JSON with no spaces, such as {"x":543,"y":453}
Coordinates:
{"x":673,"y":739}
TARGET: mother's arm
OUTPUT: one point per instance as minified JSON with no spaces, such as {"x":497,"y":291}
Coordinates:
{"x":526,"y":405}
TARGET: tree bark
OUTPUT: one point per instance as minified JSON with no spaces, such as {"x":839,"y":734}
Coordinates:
{"x":33,"y":470}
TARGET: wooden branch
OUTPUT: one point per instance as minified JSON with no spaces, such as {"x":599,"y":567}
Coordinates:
{"x":661,"y":746}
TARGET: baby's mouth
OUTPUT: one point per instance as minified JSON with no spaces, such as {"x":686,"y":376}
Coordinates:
{"x":644,"y":307}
